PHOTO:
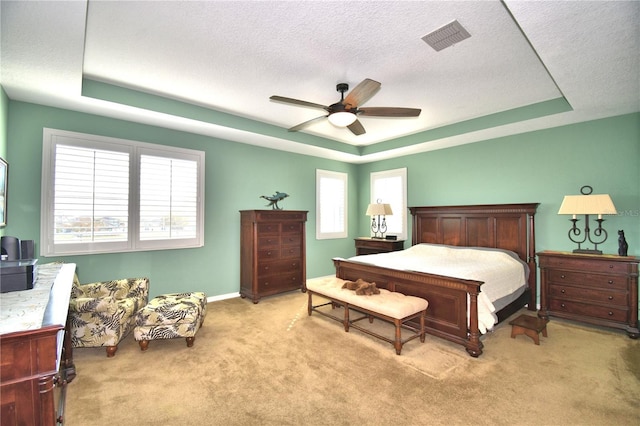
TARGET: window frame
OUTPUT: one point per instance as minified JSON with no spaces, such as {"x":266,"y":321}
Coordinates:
{"x":135,"y":149}
{"x":399,"y":210}
{"x":344,"y":178}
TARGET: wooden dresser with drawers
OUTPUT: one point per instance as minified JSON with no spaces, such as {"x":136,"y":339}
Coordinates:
{"x":36,"y":356}
{"x":596,"y":289}
{"x":272,"y":252}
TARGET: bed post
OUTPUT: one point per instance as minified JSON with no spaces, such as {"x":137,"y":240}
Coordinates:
{"x":531,"y":261}
{"x":474,"y":345}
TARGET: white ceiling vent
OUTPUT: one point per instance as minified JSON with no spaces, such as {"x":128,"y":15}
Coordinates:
{"x":446,"y":36}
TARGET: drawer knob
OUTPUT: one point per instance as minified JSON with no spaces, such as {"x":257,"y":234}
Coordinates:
{"x":562,"y":305}
{"x":610,"y":297}
{"x":562,"y":276}
{"x":266,"y":283}
{"x":610,"y":281}
{"x":562,"y":291}
{"x":268,"y":253}
{"x":610,"y":266}
{"x":610,"y":313}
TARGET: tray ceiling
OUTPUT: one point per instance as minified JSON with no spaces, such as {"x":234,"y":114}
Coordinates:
{"x":210,"y":67}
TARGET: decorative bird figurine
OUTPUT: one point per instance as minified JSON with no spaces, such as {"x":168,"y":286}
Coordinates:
{"x":274,"y":199}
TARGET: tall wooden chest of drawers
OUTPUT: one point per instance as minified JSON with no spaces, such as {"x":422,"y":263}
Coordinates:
{"x":272,"y":252}
{"x":597,"y":289}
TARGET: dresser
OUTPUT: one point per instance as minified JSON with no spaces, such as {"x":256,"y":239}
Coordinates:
{"x":368,"y":245}
{"x":36,"y":361}
{"x":272,"y":252}
{"x":596,"y":289}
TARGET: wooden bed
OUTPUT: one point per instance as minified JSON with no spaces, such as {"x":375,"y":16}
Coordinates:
{"x":505,"y":226}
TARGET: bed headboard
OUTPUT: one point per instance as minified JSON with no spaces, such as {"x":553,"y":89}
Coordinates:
{"x":505,"y":226}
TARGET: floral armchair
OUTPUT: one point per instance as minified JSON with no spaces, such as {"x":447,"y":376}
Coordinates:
{"x":102,"y":313}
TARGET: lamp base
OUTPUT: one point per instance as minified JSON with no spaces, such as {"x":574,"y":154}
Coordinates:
{"x":587,"y":251}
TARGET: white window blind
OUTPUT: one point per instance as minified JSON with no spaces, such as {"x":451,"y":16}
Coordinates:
{"x":390,"y":187}
{"x":331,"y":204}
{"x":91,"y":195}
{"x":103,"y":195}
{"x":168,"y":198}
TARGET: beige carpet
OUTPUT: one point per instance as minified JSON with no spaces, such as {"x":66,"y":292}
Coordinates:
{"x":271,"y":364}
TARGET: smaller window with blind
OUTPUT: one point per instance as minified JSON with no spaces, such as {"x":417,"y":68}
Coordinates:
{"x":104,"y":195}
{"x":390,"y":187}
{"x":331,"y":204}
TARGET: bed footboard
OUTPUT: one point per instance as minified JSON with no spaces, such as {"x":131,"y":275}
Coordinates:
{"x":446,"y":295}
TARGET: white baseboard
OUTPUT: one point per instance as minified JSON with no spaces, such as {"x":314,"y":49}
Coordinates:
{"x":222,"y":297}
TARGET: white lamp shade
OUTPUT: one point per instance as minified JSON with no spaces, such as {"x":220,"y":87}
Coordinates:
{"x":587,"y":204}
{"x":379,"y":209}
{"x":342,"y":119}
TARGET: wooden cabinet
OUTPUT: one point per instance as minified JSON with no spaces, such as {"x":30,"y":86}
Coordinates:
{"x":272,"y":252}
{"x":597,"y":289}
{"x":36,"y":360}
{"x":367,"y":245}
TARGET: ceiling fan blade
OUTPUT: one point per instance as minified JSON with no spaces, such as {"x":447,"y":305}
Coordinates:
{"x":361,"y":93}
{"x":298,"y":102}
{"x":389,"y":112}
{"x":356,"y":128}
{"x":306,"y":123}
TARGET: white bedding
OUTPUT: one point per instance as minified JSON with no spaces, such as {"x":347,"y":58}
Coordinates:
{"x":501,"y":271}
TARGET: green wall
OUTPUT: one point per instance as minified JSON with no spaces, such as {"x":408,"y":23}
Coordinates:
{"x":236,"y":175}
{"x":540,"y":166}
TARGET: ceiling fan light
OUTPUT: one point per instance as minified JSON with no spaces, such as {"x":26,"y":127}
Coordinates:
{"x":342,"y":119}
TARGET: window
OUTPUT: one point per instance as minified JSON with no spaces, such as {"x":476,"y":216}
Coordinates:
{"x":390,"y":187}
{"x":104,"y":195}
{"x":331,"y":204}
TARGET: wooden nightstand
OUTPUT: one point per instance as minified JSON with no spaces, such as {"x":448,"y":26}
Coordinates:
{"x":597,"y":289}
{"x":368,"y":245}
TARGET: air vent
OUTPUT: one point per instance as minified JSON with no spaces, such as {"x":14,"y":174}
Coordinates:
{"x":446,"y":36}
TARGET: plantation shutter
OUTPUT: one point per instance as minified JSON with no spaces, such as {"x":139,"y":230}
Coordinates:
{"x":331,"y":200}
{"x":91,"y":195}
{"x":168,"y":198}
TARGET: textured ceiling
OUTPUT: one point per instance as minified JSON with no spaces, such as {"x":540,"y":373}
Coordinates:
{"x":211,"y":59}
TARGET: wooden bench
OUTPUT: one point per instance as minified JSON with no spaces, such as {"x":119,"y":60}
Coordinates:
{"x":392,"y":307}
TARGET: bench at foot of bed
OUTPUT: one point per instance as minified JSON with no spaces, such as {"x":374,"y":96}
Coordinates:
{"x":392,"y":307}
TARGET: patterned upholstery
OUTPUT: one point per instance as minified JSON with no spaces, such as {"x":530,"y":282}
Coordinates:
{"x":103,"y":313}
{"x":170,"y":316}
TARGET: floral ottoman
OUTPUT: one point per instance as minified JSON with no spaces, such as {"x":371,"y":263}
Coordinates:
{"x":169,"y":316}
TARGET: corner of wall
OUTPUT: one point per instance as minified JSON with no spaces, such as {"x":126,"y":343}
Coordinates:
{"x":4,"y":121}
{"x":4,"y":128}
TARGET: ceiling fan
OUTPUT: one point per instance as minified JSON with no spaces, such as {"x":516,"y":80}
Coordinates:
{"x":345,"y":112}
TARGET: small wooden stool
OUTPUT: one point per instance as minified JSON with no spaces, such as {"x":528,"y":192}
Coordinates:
{"x":529,"y":326}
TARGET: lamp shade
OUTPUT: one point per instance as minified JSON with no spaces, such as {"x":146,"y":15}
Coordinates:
{"x":379,"y":209}
{"x":342,"y":119}
{"x":587,"y":204}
